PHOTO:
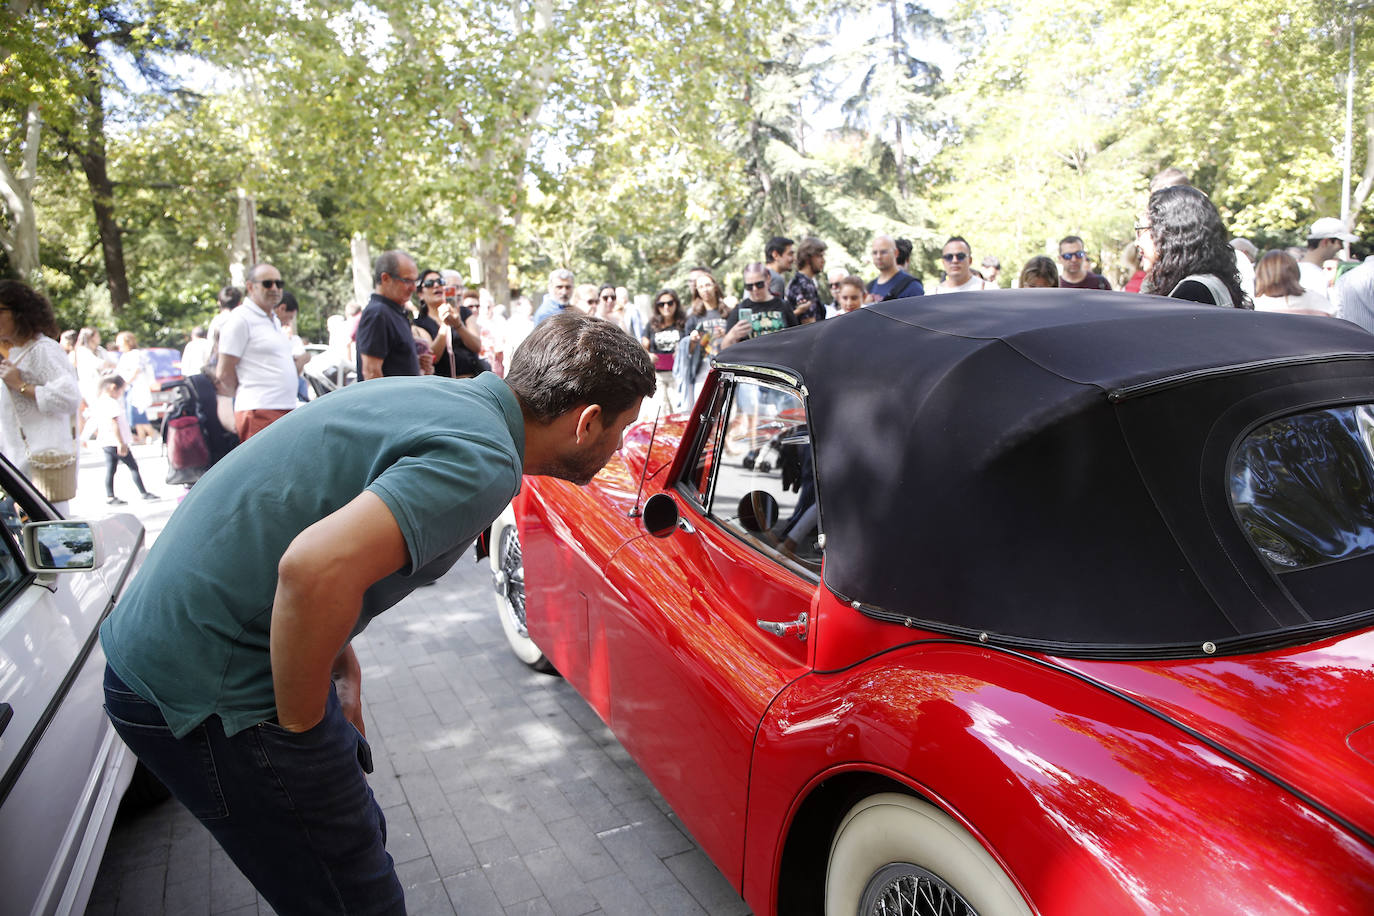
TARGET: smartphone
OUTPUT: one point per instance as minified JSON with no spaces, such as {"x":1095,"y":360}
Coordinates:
{"x":746,"y":315}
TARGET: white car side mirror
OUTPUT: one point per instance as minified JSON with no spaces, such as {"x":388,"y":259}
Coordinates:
{"x":61,"y":545}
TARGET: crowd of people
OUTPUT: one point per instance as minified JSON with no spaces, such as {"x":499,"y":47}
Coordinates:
{"x":420,"y":322}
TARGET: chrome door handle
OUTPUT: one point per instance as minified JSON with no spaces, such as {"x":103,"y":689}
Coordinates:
{"x":782,"y":628}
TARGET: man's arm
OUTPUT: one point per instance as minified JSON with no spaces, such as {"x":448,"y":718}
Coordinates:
{"x":320,"y":584}
{"x":372,"y":367}
{"x":227,"y":375}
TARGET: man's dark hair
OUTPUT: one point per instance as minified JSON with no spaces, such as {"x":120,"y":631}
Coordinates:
{"x":1071,"y":239}
{"x":1314,"y":244}
{"x":288,"y":301}
{"x":904,"y":248}
{"x":230,"y":297}
{"x":809,"y":248}
{"x":776,"y":246}
{"x":961,"y":240}
{"x":574,"y":361}
{"x":387,"y":263}
{"x":29,"y":309}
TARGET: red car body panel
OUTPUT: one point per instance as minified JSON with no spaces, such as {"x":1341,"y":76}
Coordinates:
{"x":1293,"y":712}
{"x":1130,"y":815}
{"x":1075,"y":775}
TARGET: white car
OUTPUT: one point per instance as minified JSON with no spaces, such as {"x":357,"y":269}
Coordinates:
{"x":63,"y":770}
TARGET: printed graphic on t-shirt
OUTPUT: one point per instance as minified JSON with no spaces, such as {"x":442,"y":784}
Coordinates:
{"x":768,"y":322}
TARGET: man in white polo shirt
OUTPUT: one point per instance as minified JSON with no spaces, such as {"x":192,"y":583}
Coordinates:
{"x":255,"y":364}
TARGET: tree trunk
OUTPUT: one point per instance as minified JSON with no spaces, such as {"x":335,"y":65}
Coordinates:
{"x":20,"y":238}
{"x":493,"y":254}
{"x":1361,"y":193}
{"x":96,"y":166}
{"x":899,"y":144}
{"x":362,"y":269}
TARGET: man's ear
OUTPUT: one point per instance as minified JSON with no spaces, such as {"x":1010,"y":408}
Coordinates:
{"x":589,"y":424}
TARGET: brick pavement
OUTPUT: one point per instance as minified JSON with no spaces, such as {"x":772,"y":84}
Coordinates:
{"x":503,"y":792}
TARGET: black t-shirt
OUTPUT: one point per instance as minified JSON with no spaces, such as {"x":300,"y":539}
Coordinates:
{"x":713,"y":326}
{"x":1090,"y":281}
{"x":426,"y":321}
{"x":767,"y":317}
{"x":458,"y":361}
{"x":384,"y":332}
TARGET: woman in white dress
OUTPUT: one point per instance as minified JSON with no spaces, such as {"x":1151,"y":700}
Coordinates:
{"x":39,"y":397}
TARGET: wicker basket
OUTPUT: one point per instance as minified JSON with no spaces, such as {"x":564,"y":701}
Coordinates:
{"x":53,"y":472}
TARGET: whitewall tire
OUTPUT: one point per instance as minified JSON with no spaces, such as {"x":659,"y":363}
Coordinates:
{"x":894,"y":854}
{"x":508,"y":577}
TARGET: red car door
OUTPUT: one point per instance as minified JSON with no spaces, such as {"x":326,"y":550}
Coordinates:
{"x":691,"y":670}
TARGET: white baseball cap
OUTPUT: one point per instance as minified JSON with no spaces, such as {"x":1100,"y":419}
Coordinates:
{"x":1328,"y":227}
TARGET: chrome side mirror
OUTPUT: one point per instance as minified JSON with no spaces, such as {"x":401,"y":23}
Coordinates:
{"x":61,"y":546}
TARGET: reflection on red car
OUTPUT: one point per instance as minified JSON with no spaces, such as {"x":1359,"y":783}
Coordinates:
{"x":1028,"y":601}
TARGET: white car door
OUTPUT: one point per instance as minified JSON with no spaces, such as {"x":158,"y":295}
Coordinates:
{"x":63,"y":769}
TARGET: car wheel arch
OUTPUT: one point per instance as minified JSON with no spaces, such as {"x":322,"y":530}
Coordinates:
{"x":799,"y":879}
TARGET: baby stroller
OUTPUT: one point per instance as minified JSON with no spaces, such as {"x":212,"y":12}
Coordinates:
{"x":192,"y":436}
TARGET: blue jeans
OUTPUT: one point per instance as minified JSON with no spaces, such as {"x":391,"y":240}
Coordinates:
{"x":293,"y":811}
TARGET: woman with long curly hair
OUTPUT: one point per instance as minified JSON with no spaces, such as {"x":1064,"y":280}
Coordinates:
{"x":39,"y":397}
{"x":1185,"y":251}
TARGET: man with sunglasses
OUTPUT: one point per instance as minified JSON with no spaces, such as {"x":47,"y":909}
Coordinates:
{"x":255,"y":366}
{"x":386,"y":345}
{"x":1073,"y":266}
{"x":957,"y":257}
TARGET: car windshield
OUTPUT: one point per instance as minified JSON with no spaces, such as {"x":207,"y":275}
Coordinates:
{"x":1303,"y":487}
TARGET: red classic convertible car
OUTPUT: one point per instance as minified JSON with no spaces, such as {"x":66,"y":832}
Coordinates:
{"x":1039,"y":601}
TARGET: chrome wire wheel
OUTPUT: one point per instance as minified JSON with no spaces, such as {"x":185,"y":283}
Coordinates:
{"x":903,"y":889}
{"x":510,"y":579}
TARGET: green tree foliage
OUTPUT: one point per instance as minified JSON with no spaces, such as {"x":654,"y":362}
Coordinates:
{"x":1064,"y":111}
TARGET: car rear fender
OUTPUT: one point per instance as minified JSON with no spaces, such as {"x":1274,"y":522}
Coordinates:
{"x":1089,"y":802}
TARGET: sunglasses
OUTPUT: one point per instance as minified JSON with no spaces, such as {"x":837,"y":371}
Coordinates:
{"x":609,"y":297}
{"x":759,"y":285}
{"x":666,"y":302}
{"x":954,"y":257}
{"x":269,"y":284}
{"x":432,"y":283}
{"x":1073,"y":255}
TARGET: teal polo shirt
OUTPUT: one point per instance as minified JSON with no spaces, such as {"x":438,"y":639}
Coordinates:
{"x":191,"y":633}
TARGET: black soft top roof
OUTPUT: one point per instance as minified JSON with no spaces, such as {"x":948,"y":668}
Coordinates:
{"x":1050,"y":467}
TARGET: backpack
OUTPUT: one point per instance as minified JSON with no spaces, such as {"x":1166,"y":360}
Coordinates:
{"x":188,"y":454}
{"x":191,"y":433}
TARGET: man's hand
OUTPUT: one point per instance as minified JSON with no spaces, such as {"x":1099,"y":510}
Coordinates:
{"x":320,"y":584}
{"x":348,"y":683}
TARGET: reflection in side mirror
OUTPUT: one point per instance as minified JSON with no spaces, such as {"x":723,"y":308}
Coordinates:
{"x":60,"y":546}
{"x":660,"y":515}
{"x":758,"y":511}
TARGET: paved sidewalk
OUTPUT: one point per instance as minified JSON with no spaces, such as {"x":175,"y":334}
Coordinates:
{"x":503,"y":791}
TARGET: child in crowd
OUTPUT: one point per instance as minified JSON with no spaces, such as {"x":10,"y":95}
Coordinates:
{"x":114,"y":436}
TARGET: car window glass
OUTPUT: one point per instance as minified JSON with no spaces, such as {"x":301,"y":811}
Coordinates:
{"x":764,"y":489}
{"x":1303,"y":487}
{"x":696,"y":480}
{"x":12,"y":518}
